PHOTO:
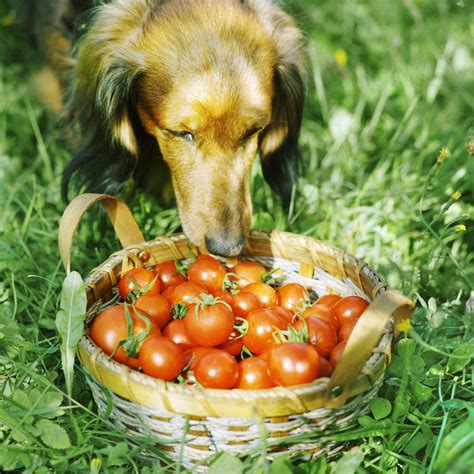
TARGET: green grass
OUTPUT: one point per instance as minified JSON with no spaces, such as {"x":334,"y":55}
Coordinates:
{"x":374,"y":128}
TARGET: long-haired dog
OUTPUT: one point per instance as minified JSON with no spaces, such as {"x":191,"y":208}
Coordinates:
{"x":201,"y":85}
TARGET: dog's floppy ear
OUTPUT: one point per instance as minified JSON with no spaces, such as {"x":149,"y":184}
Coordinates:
{"x":279,"y":143}
{"x":107,"y":65}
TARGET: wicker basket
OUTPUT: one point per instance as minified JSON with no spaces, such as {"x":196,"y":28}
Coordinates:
{"x":192,"y":423}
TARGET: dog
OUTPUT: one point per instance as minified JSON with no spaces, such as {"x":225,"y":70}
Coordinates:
{"x":198,"y":85}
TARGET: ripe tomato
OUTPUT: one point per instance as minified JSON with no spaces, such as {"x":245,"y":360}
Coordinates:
{"x":346,"y":329}
{"x":293,"y":363}
{"x":233,"y":345}
{"x":184,"y":292}
{"x":217,"y":369}
{"x":292,"y":296}
{"x":287,"y":316}
{"x":265,"y":293}
{"x":349,"y":307}
{"x":326,"y":367}
{"x":142,"y":277}
{"x":224,"y":296}
{"x":168,"y":292}
{"x":176,"y":331}
{"x":262,"y":324}
{"x":156,"y":306}
{"x":192,"y":355}
{"x":162,"y":358}
{"x":253,"y":375}
{"x":336,"y":353}
{"x":211,"y":326}
{"x":208,"y":272}
{"x":168,"y":274}
{"x":243,"y":303}
{"x":321,"y":312}
{"x":110,"y":327}
{"x":321,"y":334}
{"x":328,"y":300}
{"x":247,"y":273}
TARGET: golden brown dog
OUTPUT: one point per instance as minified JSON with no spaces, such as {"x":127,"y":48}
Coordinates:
{"x":200,"y":84}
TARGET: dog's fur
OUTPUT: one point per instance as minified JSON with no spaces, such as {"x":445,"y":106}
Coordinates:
{"x":200,"y":84}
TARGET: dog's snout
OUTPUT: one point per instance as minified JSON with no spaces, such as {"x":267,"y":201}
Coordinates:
{"x":225,"y":245}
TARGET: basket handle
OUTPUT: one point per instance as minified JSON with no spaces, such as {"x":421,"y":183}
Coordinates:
{"x":122,"y":219}
{"x":364,"y":338}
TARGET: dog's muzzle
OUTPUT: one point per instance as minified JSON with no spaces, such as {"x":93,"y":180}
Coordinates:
{"x":225,"y":245}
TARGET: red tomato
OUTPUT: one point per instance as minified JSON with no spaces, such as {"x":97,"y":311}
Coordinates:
{"x":192,"y":355}
{"x":233,"y":345}
{"x":336,"y":353}
{"x":243,"y":303}
{"x":110,"y":327}
{"x":262,"y":325}
{"x":156,"y":306}
{"x":321,"y":312}
{"x":247,"y":273}
{"x":349,"y":307}
{"x":253,"y":375}
{"x":168,"y":275}
{"x":224,"y":296}
{"x":184,"y":292}
{"x":168,"y":293}
{"x":217,"y":369}
{"x":142,"y":277}
{"x":321,"y":335}
{"x":326,"y":367}
{"x":346,"y":329}
{"x":292,"y":296}
{"x":211,"y":325}
{"x":161,"y":358}
{"x":293,"y":363}
{"x":328,"y":300}
{"x":285,"y":315}
{"x":208,"y":272}
{"x":176,"y":331}
{"x":265,"y":293}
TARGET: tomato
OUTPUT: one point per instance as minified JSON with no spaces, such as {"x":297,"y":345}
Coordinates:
{"x":142,"y":277}
{"x":349,"y":307}
{"x":243,"y":303}
{"x":217,"y":369}
{"x":328,"y":300}
{"x":322,"y":312}
{"x":265,"y":293}
{"x":326,"y":367}
{"x":192,"y":355}
{"x":176,"y":331}
{"x":233,"y":345}
{"x":292,"y":296}
{"x":336,"y":353}
{"x":346,"y":329}
{"x":184,"y":292}
{"x":211,"y":325}
{"x":156,"y":306}
{"x":293,"y":363}
{"x":224,"y":296}
{"x":321,"y":335}
{"x":168,"y":293}
{"x":168,"y":274}
{"x":262,"y":325}
{"x":110,"y":327}
{"x":287,"y":316}
{"x":161,"y":358}
{"x":253,"y":375}
{"x":208,"y":272}
{"x":247,"y":273}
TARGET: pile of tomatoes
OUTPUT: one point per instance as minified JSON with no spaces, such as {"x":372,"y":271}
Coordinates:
{"x":204,"y":324}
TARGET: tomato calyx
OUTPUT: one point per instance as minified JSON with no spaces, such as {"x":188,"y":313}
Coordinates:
{"x":292,"y":335}
{"x":272,"y":277}
{"x":205,"y":301}
{"x":181,"y":267}
{"x":231,"y":284}
{"x":139,"y":290}
{"x":179,"y":311}
{"x":241,"y":326}
{"x":245,"y":352}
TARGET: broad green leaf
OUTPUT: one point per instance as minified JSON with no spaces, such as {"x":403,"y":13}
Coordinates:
{"x":418,"y":442}
{"x":70,"y":322}
{"x":460,"y":358}
{"x":53,"y":435}
{"x":116,"y":455}
{"x":349,"y":463}
{"x":226,"y":463}
{"x":406,"y":348}
{"x":422,"y":392}
{"x":50,"y":402}
{"x":365,"y":420}
{"x":380,"y":408}
{"x":281,"y":465}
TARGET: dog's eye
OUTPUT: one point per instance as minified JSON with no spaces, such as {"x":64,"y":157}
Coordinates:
{"x":249,"y":134}
{"x":188,"y":136}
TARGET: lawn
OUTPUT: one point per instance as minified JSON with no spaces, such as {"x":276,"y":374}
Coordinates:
{"x":387,"y":141}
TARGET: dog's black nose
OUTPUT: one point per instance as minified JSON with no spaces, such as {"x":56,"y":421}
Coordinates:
{"x":225,"y":245}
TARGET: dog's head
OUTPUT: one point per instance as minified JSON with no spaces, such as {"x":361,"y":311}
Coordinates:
{"x":211,"y":85}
